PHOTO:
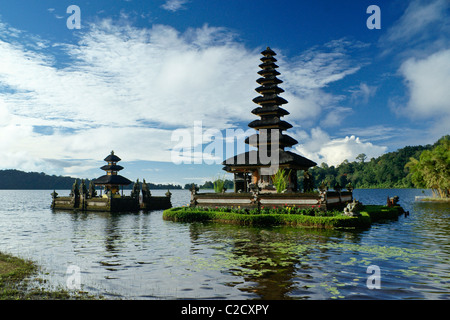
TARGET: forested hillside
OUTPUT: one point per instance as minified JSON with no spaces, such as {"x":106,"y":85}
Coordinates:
{"x":386,"y":171}
{"x":19,"y":180}
{"x":15,"y":179}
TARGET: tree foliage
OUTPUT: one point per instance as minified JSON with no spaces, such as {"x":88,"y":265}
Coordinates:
{"x":432,"y":169}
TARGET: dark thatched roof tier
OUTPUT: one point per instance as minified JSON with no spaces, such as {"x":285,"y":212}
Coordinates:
{"x":113,"y":167}
{"x":274,"y":109}
{"x":112,"y":180}
{"x":268,"y":72}
{"x":270,"y":123}
{"x":269,"y":88}
{"x":268,"y":59}
{"x":112,"y":158}
{"x":268,"y":52}
{"x":268,"y":64}
{"x":252,"y":159}
{"x":283,"y":139}
{"x":272,"y":99}
{"x":269,"y":80}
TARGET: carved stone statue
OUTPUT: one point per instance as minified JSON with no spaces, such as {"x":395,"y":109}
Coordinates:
{"x":136,"y":190}
{"x":146,"y":194}
{"x":92,"y":191}
{"x":83,"y":188}
{"x":75,"y":190}
{"x":308,"y":182}
{"x":194,"y":190}
{"x":391,"y":202}
{"x":353,"y":208}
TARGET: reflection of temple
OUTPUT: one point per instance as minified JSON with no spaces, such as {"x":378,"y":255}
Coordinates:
{"x":111,"y":181}
{"x":271,"y":264}
{"x":84,"y":200}
{"x":258,"y":166}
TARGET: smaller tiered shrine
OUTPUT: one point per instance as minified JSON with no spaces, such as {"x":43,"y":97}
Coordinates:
{"x":112,"y":181}
{"x":111,"y":199}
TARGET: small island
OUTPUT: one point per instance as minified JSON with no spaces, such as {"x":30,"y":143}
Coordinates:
{"x":112,"y":198}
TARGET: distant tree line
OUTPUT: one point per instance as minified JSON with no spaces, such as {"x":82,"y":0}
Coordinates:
{"x":15,"y":179}
{"x":158,"y":186}
{"x":20,"y":180}
{"x":389,"y":170}
{"x":229,"y":185}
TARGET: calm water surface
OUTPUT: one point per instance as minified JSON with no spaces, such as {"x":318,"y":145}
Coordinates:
{"x":141,"y":256}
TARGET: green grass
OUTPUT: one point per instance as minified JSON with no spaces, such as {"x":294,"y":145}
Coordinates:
{"x":378,"y":213}
{"x":186,"y":214}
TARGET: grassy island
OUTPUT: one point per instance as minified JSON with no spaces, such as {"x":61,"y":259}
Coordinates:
{"x":285,"y":216}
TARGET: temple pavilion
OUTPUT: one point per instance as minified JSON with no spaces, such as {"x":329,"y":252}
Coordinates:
{"x":270,"y":140}
{"x":112,"y":181}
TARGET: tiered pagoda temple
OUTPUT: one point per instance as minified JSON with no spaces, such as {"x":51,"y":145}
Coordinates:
{"x":255,"y":170}
{"x":112,"y":181}
{"x":253,"y":167}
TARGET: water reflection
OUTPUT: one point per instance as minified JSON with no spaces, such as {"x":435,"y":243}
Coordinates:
{"x":141,"y":256}
{"x":274,"y":263}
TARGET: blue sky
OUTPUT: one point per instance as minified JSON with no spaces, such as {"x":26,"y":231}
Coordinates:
{"x":138,"y":75}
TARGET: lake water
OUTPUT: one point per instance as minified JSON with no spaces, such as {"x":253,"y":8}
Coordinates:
{"x":141,"y":256}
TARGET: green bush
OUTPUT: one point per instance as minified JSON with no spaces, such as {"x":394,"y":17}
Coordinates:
{"x":281,"y":179}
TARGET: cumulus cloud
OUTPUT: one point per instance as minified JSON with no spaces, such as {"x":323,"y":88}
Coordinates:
{"x":428,"y":83}
{"x":320,"y":147}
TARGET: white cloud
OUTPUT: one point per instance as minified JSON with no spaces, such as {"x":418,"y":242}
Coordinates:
{"x":174,"y":5}
{"x":423,"y":28}
{"x":320,"y":147}
{"x":363,"y":93}
{"x":418,"y":16}
{"x":428,"y":83}
{"x":307,"y":76}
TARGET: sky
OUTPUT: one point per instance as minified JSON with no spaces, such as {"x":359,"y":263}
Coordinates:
{"x":168,"y":84}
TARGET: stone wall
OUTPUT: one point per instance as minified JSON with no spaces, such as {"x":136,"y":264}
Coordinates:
{"x":324,"y":200}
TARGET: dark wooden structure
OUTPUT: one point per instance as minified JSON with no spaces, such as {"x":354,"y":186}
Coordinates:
{"x":256,"y":167}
